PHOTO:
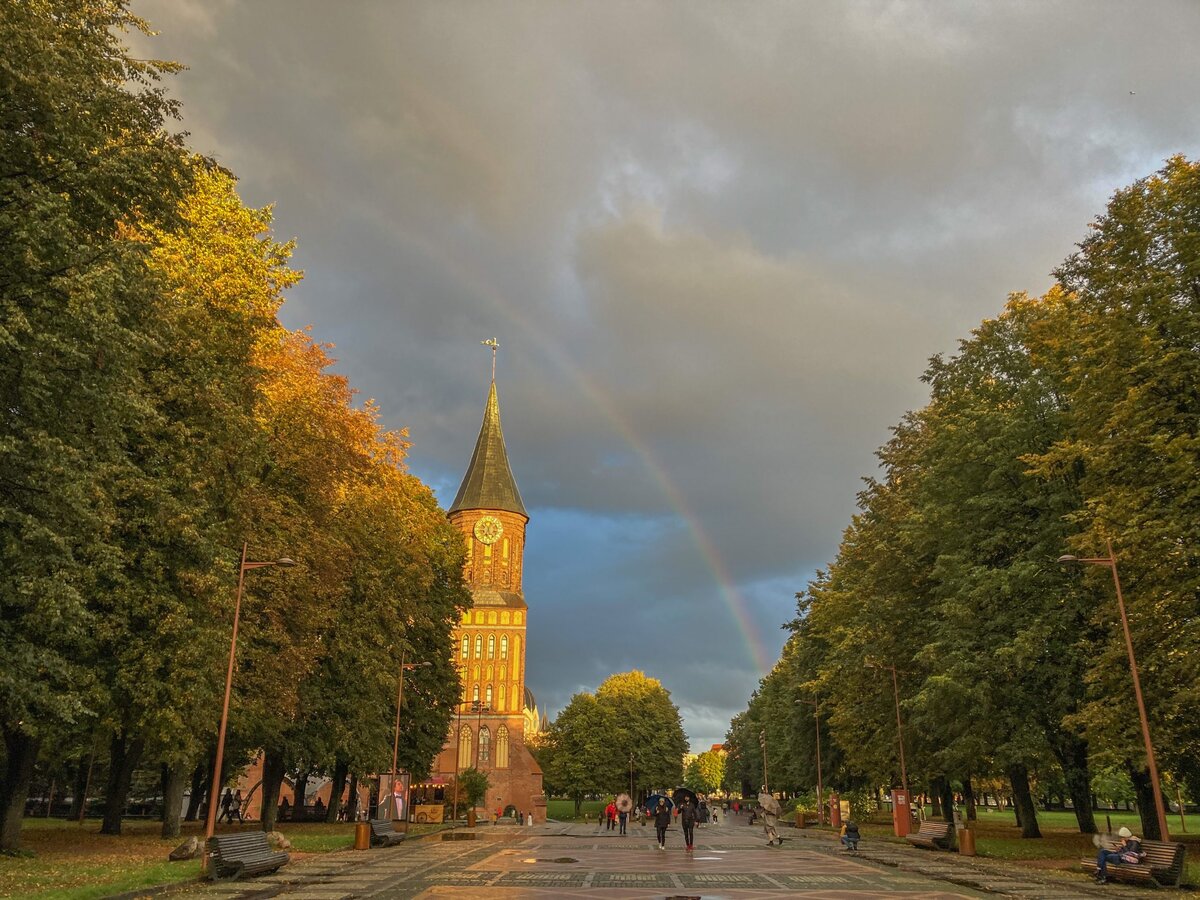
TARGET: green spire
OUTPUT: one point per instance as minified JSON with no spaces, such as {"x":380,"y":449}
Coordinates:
{"x":489,"y":482}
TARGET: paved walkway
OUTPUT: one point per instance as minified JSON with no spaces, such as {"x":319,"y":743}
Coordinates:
{"x":730,"y":861}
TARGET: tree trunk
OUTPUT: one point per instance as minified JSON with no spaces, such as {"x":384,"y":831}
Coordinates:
{"x":1018,"y":775}
{"x":1145,"y":801}
{"x":578,"y":805}
{"x":352,"y":800}
{"x":299,"y":789}
{"x":199,"y":787}
{"x":969,"y":798}
{"x":935,"y":798}
{"x":272,"y":778}
{"x":1072,"y":755}
{"x":21,"y":752}
{"x":124,"y":756}
{"x":172,"y":788}
{"x":340,"y":768}
{"x":943,"y":798}
{"x":78,"y":795}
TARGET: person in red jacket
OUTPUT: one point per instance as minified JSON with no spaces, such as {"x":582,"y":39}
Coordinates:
{"x":610,"y":813}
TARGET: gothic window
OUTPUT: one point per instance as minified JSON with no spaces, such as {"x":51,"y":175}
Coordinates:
{"x":488,"y":698}
{"x":474,"y":698}
{"x":479,"y":646}
{"x":476,"y":671}
{"x":505,"y":548}
{"x":491,"y":646}
{"x":466,"y":646}
{"x":501,"y":747}
{"x":504,"y":617}
{"x":485,"y":744}
{"x":491,"y":618}
{"x":501,"y":704}
{"x":517,"y":618}
{"x":503,"y":672}
{"x":487,"y":553}
{"x":504,"y":646}
{"x":464,"y":747}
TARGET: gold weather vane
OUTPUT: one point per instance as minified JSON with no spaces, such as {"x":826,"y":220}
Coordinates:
{"x":495,"y":345}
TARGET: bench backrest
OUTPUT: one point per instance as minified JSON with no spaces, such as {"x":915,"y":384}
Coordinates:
{"x":1164,"y":857}
{"x":382,"y":825}
{"x":243,"y":843}
{"x":934,"y":829}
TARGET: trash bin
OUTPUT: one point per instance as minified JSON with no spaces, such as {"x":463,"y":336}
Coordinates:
{"x":799,"y":818}
{"x":362,"y":835}
{"x":471,"y":818}
{"x":966,"y":842}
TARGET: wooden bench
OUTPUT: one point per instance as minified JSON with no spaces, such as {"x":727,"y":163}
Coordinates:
{"x":933,"y":835}
{"x":243,"y":853}
{"x":1163,"y":864}
{"x":383,"y":834}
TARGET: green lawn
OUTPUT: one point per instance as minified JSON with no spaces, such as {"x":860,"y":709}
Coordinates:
{"x":1061,"y":845}
{"x":69,"y":861}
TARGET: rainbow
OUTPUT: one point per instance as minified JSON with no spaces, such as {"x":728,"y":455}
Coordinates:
{"x":756,"y":649}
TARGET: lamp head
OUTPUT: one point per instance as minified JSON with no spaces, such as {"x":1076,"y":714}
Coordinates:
{"x":285,"y":562}
{"x":1068,"y":560}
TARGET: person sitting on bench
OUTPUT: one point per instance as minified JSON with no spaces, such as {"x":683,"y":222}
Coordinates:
{"x":1128,"y":850}
{"x":850,"y":835}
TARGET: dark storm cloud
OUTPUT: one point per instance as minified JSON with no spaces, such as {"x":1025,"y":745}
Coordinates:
{"x":717,"y":242}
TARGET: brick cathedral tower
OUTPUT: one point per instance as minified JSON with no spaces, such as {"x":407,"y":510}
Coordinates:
{"x":496,"y":710}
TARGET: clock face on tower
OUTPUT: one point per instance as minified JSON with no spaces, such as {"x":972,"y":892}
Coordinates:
{"x":488,"y":530}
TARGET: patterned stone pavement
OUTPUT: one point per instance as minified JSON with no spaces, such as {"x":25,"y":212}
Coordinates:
{"x":730,"y":862}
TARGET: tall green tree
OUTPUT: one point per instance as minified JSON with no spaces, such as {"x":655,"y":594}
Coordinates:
{"x":84,"y":157}
{"x":1126,"y":348}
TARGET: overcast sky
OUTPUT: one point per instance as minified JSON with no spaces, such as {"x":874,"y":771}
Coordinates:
{"x":717,"y":243}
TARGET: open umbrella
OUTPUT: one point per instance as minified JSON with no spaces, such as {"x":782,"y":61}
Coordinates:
{"x":768,"y":803}
{"x":681,"y":794}
{"x":652,"y":802}
{"x":624,"y":803}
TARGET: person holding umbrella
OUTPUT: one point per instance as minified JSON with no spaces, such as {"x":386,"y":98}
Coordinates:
{"x":770,"y":814}
{"x":662,"y":820}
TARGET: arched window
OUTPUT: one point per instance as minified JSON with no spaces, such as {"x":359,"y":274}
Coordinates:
{"x":488,"y":696}
{"x":474,"y":697}
{"x":479,"y":646}
{"x":464,"y":747}
{"x":501,"y":705}
{"x":501,"y":747}
{"x":485,"y":744}
{"x":503,"y":646}
{"x":491,"y":646}
{"x":466,"y":647}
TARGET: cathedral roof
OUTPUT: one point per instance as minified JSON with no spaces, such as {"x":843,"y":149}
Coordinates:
{"x":489,"y":482}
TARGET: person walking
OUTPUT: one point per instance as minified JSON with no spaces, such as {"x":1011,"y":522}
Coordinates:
{"x":226,"y":803}
{"x":662,"y":820}
{"x":236,"y":808}
{"x":622,"y":818}
{"x":687,"y":818}
{"x":610,"y":813}
{"x":770,"y":819}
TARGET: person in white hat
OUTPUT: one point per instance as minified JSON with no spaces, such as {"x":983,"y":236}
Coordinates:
{"x":1128,"y":850}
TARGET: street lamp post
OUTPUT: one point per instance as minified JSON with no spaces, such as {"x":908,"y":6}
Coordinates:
{"x":899,"y":727}
{"x":762,"y":740}
{"x":396,"y":735}
{"x":816,"y":705}
{"x":1110,"y":562}
{"x":214,"y":795}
